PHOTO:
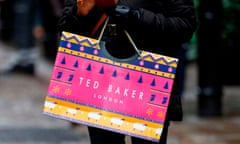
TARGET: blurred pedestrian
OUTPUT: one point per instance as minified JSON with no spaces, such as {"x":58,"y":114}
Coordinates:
{"x":27,"y":28}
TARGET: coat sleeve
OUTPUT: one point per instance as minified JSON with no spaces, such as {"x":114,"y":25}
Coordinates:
{"x":176,"y":20}
{"x":69,"y":20}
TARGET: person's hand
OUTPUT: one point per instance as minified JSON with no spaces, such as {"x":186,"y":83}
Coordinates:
{"x":85,"y":6}
{"x":106,"y":3}
{"x":124,"y":16}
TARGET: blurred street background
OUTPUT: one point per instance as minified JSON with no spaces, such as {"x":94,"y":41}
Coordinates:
{"x":22,"y":94}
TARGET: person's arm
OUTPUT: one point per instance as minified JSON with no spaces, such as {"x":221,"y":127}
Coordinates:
{"x":176,"y":20}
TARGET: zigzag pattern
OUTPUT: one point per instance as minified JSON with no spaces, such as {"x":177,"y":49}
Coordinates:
{"x":85,"y":41}
{"x":156,"y":58}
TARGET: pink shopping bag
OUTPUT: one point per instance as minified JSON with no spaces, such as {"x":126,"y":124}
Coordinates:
{"x":90,"y":87}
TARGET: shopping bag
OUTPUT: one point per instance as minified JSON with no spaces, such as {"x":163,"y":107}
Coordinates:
{"x":90,"y":87}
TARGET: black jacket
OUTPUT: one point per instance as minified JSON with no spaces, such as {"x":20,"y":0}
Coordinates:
{"x":163,"y":26}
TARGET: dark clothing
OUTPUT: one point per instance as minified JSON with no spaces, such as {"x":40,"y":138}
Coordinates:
{"x":99,"y":136}
{"x":27,"y":15}
{"x":163,"y":26}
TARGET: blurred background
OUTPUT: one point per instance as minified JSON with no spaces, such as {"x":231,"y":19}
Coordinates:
{"x":210,"y":87}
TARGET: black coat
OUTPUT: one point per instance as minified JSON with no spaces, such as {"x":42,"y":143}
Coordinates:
{"x":164,"y":25}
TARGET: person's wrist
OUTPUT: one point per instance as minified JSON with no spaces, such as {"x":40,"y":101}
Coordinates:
{"x":122,"y":10}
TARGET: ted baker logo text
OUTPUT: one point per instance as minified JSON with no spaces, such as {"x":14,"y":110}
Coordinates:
{"x":112,"y":93}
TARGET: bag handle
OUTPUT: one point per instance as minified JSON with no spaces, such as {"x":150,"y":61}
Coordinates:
{"x":103,"y":29}
{"x":132,"y":42}
{"x":105,"y":18}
